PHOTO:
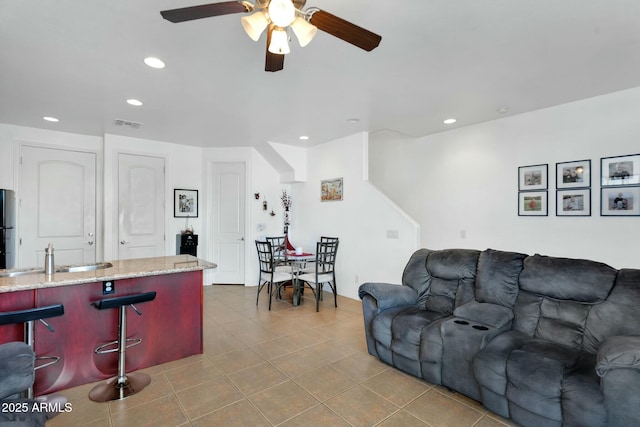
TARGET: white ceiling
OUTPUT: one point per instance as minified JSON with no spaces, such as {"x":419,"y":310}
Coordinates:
{"x":79,"y":60}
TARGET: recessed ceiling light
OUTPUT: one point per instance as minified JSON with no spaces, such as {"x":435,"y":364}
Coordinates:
{"x":449,"y":121}
{"x":303,"y":137}
{"x":503,"y":110}
{"x":154,"y":62}
{"x":134,"y":102}
{"x":353,"y":120}
{"x":50,"y":119}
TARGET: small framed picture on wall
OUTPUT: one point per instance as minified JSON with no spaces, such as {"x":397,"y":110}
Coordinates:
{"x":532,"y":203}
{"x":532,"y":177}
{"x":185,"y":203}
{"x":620,"y":201}
{"x":575,"y":174}
{"x":573,"y":202}
{"x":620,"y":171}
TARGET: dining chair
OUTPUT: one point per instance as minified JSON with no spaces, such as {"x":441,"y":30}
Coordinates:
{"x":279,"y":248}
{"x":311,"y":269}
{"x":269,"y":276}
{"x":324,"y":271}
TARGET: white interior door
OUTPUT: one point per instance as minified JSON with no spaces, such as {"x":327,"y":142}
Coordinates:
{"x":57,"y":204}
{"x":140,"y":206}
{"x":228,"y":240}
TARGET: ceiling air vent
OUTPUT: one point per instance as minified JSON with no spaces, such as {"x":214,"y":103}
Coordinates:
{"x":127,"y":124}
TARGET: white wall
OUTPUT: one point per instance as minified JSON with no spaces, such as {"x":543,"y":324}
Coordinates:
{"x":466,"y":180}
{"x":361,"y":220}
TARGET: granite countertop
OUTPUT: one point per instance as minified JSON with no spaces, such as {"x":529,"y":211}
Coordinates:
{"x":122,"y":269}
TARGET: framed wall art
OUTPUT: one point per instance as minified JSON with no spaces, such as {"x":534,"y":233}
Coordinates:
{"x":574,"y":174}
{"x":532,"y":203}
{"x":620,"y":171}
{"x":185,"y":203}
{"x":331,"y":190}
{"x":573,"y":202}
{"x":532,"y":177}
{"x":620,"y":201}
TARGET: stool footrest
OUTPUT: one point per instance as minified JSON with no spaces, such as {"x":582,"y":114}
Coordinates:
{"x":101,"y":349}
{"x":52,"y":360}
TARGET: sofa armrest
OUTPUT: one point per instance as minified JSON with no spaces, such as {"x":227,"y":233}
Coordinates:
{"x":618,"y":365}
{"x":388,"y":295}
{"x":16,"y":368}
{"x":618,"y":352}
{"x":493,"y":315}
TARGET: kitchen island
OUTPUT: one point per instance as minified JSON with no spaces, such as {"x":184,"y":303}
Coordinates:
{"x":170,"y":325}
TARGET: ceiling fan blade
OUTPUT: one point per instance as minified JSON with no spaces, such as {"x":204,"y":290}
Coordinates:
{"x":273,"y":61}
{"x":203,"y":11}
{"x":345,"y":30}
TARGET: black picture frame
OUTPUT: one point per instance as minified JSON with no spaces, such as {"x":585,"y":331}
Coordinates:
{"x":573,"y":202}
{"x":620,"y":201}
{"x":620,"y":171}
{"x":575,"y":174}
{"x":533,"y":203}
{"x":185,"y":203}
{"x":533,"y":177}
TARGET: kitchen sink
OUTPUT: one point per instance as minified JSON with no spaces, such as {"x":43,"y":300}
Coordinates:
{"x":59,"y":269}
{"x":82,"y":267}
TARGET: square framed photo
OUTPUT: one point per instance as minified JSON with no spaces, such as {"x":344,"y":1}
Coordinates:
{"x":620,"y":201}
{"x":532,"y":177}
{"x":575,"y":174}
{"x":573,"y":202}
{"x":532,"y":203}
{"x":331,"y":190}
{"x":185,"y":203}
{"x":621,"y":170}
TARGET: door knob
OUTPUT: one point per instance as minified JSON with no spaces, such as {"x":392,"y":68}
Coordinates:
{"x":90,"y":242}
{"x":122,"y":242}
{"x":242,"y":238}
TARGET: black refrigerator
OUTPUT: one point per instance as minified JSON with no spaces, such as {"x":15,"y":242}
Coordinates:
{"x":7,"y":229}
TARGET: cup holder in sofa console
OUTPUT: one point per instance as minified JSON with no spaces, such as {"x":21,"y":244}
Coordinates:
{"x":461,"y":322}
{"x":480,"y":327}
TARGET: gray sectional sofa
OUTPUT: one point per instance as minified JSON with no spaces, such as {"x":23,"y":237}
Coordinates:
{"x":544,"y":341}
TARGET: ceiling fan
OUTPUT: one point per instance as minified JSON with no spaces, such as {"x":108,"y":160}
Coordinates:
{"x":276,"y":16}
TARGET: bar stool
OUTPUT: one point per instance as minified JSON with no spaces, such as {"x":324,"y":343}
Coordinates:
{"x":28,"y":317}
{"x":123,"y":385}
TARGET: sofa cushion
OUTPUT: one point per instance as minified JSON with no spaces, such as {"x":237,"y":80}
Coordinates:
{"x":497,"y":277}
{"x":567,"y":279}
{"x":535,"y":373}
{"x":618,"y":315}
{"x":562,"y":322}
{"x":452,"y":278}
{"x":406,"y":331}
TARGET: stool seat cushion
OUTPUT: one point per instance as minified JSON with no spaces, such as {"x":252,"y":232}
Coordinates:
{"x":124,"y":300}
{"x":21,"y":316}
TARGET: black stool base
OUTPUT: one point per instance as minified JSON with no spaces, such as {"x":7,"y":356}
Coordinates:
{"x":112,"y":390}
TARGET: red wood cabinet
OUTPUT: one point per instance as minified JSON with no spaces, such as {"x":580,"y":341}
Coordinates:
{"x":170,"y":327}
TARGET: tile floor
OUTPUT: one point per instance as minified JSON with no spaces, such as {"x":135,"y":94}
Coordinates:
{"x":286,"y":367}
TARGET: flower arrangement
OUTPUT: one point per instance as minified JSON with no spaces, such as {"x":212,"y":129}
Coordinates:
{"x":286,"y":200}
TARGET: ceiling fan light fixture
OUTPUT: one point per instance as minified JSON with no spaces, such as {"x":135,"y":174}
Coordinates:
{"x":281,"y":12}
{"x":279,"y":42}
{"x":255,"y":24}
{"x":304,"y":31}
